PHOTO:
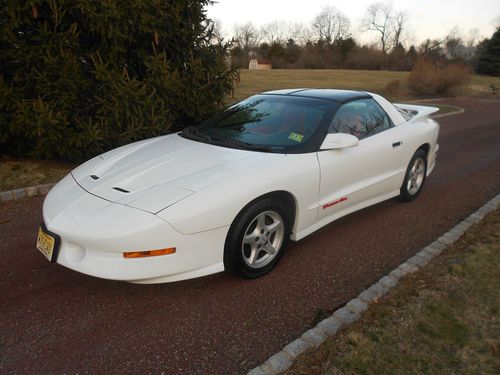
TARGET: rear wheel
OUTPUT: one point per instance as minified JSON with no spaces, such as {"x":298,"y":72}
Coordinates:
{"x":257,"y":238}
{"x":415,"y":176}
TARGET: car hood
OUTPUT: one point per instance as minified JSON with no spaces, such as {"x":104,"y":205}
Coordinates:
{"x":153,"y":174}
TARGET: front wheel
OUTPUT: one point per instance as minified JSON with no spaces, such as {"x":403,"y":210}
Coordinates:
{"x":257,"y":238}
{"x":415,"y":176}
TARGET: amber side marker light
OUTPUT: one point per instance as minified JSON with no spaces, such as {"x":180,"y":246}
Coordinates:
{"x":149,"y":253}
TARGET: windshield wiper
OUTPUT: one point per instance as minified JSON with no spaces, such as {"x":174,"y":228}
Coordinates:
{"x":243,"y":145}
{"x":193,"y":132}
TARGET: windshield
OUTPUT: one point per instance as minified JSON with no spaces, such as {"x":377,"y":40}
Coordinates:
{"x":274,"y":123}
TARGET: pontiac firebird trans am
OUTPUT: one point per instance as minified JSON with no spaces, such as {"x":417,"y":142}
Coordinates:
{"x":229,"y":193}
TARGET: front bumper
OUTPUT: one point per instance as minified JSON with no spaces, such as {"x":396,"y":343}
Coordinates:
{"x":95,"y":233}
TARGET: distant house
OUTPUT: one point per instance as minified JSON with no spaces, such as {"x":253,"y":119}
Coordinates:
{"x":259,"y":64}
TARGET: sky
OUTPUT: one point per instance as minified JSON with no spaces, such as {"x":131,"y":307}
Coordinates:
{"x":427,"y":18}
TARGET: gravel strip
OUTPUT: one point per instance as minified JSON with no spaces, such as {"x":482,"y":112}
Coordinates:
{"x":353,"y":310}
{"x":30,"y":191}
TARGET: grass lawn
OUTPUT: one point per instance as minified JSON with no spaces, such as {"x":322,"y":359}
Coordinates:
{"x":23,"y":172}
{"x":444,"y":319}
{"x":255,"y":81}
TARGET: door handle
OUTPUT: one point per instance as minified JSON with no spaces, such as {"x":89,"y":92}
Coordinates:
{"x":397,"y":144}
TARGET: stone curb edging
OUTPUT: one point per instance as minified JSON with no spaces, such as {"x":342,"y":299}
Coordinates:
{"x":31,"y":191}
{"x":353,"y":310}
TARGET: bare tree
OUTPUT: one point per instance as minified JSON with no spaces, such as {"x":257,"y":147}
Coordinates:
{"x":247,"y":36}
{"x":453,"y":43}
{"x":459,"y":47}
{"x":331,"y":25}
{"x":276,"y":32}
{"x":429,"y":46}
{"x":343,"y":29}
{"x":391,"y":25}
{"x":301,"y":33}
{"x":400,"y":19}
{"x":379,"y":18}
{"x":473,"y":37}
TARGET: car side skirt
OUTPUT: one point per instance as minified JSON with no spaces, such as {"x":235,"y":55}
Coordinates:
{"x":327,"y":220}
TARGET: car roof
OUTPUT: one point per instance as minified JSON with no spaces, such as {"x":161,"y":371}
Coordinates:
{"x":341,"y":96}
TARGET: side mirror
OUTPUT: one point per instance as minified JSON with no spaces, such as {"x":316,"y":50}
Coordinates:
{"x":338,"y":141}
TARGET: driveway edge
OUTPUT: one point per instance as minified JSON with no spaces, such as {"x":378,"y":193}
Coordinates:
{"x":352,"y":311}
{"x":30,"y":191}
{"x":458,"y":111}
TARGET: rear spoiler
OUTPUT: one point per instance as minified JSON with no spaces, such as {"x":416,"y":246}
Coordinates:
{"x":416,"y":112}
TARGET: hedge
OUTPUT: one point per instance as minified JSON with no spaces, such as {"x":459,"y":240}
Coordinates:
{"x":81,"y":77}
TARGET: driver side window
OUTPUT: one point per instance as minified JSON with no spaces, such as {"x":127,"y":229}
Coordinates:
{"x":361,"y":118}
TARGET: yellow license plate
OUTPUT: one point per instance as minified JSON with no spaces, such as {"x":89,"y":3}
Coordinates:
{"x":45,"y":243}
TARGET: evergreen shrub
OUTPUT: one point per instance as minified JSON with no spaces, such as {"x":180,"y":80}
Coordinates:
{"x":78,"y":77}
{"x":488,"y":61}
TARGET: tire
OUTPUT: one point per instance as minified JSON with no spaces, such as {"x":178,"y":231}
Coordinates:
{"x":415,"y":176}
{"x":257,"y":238}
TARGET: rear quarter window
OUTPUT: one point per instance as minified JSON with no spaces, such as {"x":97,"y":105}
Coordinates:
{"x":361,"y":118}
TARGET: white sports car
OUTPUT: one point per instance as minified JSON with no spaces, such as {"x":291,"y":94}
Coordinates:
{"x":229,"y":193}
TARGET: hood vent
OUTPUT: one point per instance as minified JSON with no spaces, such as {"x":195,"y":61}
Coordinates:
{"x":120,"y":189}
{"x":94,"y":177}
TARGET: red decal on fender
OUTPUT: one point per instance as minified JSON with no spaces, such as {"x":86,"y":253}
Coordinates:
{"x":333,"y":203}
